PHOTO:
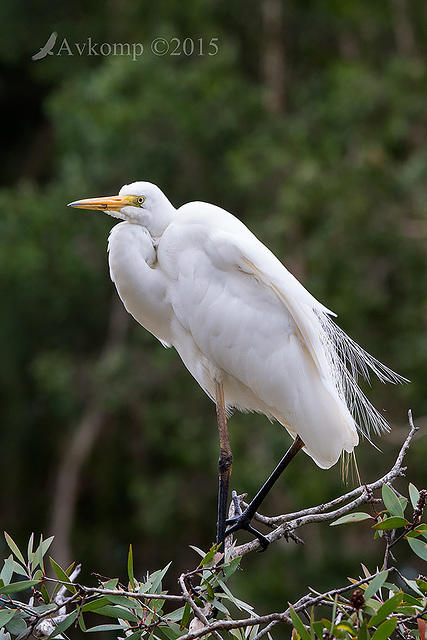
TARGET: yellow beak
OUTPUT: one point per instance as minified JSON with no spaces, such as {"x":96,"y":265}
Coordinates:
{"x":108,"y":203}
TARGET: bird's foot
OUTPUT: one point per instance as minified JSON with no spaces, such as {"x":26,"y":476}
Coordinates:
{"x":242,"y":521}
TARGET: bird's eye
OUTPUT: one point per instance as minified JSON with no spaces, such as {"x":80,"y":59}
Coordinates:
{"x":141,"y":200}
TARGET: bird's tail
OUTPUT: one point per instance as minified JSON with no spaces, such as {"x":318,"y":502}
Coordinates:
{"x":348,"y":361}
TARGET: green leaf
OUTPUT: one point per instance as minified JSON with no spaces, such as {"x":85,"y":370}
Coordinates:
{"x":123,"y":601}
{"x":17,"y":568}
{"x":372,"y":606}
{"x":391,"y":501}
{"x":391,"y":523}
{"x":298,"y":624}
{"x":111,"y":584}
{"x":238,"y":603}
{"x":62,"y":626}
{"x":14,"y":547}
{"x":422,"y":584}
{"x":185,"y":617}
{"x":317,"y":627}
{"x":17,"y":625}
{"x":210,"y":591}
{"x":117,"y":612}
{"x":334,"y":609}
{"x":175,"y":616}
{"x":158,"y":576}
{"x":391,"y":587}
{"x":146,"y":586}
{"x":130,"y":568}
{"x":40,"y":552}
{"x":219,"y":605}
{"x":413,"y":585}
{"x":408,"y":599}
{"x":414,"y":494}
{"x":172,"y":632}
{"x":5,"y":616}
{"x":95,"y":604}
{"x":45,"y":594}
{"x":61,"y":575}
{"x":348,"y":627}
{"x":351,"y":517}
{"x":30,"y":547}
{"x":403,"y":502}
{"x":15,"y":587}
{"x":385,"y":630}
{"x":43,"y":608}
{"x":106,"y":627}
{"x":231,"y":567}
{"x":207,"y":560}
{"x":7,"y":571}
{"x":419,"y":547}
{"x":386,"y":609}
{"x":408,"y":611}
{"x":376,"y":584}
{"x":363,"y":632}
{"x":38,"y":575}
{"x":82,"y":624}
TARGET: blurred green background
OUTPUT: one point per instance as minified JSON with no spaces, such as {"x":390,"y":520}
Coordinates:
{"x":309,"y":123}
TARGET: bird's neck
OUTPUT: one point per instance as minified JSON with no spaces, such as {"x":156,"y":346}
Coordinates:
{"x":162,"y":218}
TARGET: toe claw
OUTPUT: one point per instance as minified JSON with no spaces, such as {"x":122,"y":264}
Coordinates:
{"x":242,"y":522}
{"x":262,"y":539}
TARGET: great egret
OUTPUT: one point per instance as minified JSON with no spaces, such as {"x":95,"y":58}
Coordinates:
{"x":251,"y":335}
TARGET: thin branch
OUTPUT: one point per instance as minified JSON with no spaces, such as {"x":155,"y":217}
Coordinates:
{"x":196,"y":610}
{"x":43,"y":624}
{"x":225,"y":625}
{"x":119,"y":592}
{"x":321,"y":513}
{"x":304,"y":603}
{"x":321,"y":508}
{"x":131,"y":594}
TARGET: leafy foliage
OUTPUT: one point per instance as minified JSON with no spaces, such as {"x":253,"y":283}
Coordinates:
{"x":334,"y":182}
{"x":375,"y":605}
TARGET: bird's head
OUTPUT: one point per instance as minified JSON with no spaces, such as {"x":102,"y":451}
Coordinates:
{"x":140,"y":203}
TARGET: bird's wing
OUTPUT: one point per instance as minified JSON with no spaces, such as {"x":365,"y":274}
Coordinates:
{"x":39,"y":54}
{"x":254,"y":259}
{"x":336,"y":356}
{"x":51,"y":41}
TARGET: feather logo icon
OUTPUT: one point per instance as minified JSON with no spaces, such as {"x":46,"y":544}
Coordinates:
{"x":46,"y":50}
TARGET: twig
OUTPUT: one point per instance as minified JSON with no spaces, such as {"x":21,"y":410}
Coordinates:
{"x":304,"y":603}
{"x":321,"y":508}
{"x":224,"y":625}
{"x":41,"y":625}
{"x":196,"y":610}
{"x":44,"y":624}
{"x":130,"y":594}
{"x":361,"y":495}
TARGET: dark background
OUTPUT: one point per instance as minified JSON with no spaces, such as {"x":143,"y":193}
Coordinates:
{"x":310,"y":125}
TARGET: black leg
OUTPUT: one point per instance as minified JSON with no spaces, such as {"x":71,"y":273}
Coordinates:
{"x":243,"y":520}
{"x":224,"y":465}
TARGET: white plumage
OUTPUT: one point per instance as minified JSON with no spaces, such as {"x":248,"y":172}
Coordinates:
{"x":200,"y":281}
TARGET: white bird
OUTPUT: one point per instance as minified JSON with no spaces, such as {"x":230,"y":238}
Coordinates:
{"x":250,"y":334}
